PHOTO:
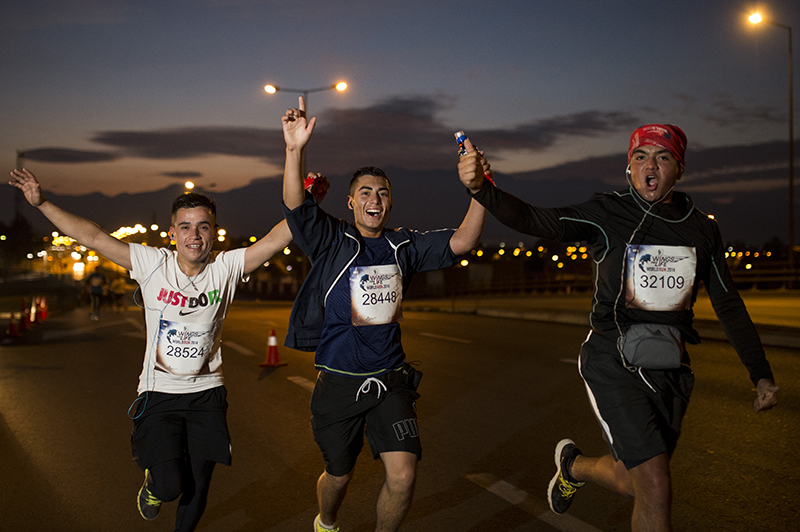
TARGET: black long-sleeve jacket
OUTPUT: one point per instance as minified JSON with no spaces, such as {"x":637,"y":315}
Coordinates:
{"x":613,"y":223}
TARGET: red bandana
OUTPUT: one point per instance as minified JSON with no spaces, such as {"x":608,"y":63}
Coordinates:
{"x":665,"y":136}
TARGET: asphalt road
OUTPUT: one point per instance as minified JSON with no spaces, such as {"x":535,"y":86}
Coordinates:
{"x":497,"y":395}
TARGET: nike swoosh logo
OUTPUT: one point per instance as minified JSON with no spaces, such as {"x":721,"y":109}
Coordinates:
{"x":182,"y":313}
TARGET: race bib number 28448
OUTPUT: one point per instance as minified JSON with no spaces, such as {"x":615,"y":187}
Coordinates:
{"x":376,"y":294}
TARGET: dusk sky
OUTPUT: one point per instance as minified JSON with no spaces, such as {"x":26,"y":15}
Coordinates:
{"x":118,"y":96}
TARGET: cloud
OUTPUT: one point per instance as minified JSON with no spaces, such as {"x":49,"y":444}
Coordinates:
{"x":66,"y":155}
{"x":542,"y":134}
{"x":723,"y":111}
{"x":185,"y":143}
{"x":400,"y":131}
{"x":183,"y":175}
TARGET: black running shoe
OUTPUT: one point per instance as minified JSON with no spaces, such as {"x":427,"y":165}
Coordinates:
{"x":561,"y":490}
{"x":148,"y":504}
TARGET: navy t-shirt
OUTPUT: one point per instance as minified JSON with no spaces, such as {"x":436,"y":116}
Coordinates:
{"x":363,"y":350}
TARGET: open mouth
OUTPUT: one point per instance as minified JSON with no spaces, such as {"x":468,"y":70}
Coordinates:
{"x":651,"y":183}
{"x":374,"y":213}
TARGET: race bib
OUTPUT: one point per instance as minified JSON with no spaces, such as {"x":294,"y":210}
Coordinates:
{"x":660,"y":277}
{"x":184,"y":348}
{"x":376,"y":294}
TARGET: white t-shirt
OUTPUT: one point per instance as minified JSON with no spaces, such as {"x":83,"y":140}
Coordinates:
{"x":184,"y":318}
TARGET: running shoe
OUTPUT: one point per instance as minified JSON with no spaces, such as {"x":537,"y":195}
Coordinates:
{"x":319,"y":528}
{"x":563,"y":486}
{"x":149,"y":505}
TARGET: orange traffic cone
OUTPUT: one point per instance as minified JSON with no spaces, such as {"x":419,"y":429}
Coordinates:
{"x":273,"y":358}
{"x":42,"y":308}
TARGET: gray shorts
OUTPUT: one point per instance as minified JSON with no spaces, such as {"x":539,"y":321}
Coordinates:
{"x":640,"y":412}
{"x":339,"y":422}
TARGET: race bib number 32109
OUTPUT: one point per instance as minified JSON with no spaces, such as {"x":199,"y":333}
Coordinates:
{"x":376,"y":294}
{"x":660,"y":278}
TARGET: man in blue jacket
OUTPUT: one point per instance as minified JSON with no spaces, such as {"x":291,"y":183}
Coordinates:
{"x":348,"y":311}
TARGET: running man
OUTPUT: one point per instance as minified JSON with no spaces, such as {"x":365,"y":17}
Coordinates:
{"x":348,"y":310}
{"x":180,"y":430}
{"x":651,"y":246}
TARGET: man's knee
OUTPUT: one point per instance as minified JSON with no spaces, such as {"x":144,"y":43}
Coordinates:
{"x":337,"y":482}
{"x":401,"y":472}
{"x":652,"y":479}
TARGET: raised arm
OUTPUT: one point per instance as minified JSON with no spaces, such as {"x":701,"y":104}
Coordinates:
{"x":296,"y":132}
{"x":84,"y":231}
{"x":471,"y":169}
{"x":280,"y":236}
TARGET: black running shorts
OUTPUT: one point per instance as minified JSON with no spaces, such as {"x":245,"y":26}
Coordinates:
{"x":167,"y":426}
{"x":339,"y":421}
{"x":640,"y":412}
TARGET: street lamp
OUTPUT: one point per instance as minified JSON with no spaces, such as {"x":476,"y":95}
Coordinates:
{"x":755,"y":18}
{"x":272,"y":89}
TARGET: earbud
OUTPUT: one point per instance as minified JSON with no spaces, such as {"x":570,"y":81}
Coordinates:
{"x":628,"y":170}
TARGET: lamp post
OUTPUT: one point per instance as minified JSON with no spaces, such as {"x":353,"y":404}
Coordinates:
{"x":272,"y":89}
{"x":755,"y":19}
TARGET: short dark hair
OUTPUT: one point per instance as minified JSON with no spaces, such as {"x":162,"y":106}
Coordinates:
{"x":368,"y":170}
{"x":192,"y":200}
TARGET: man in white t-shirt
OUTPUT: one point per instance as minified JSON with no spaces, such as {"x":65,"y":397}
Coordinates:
{"x":180,"y":430}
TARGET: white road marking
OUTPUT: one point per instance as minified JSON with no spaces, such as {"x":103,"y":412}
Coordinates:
{"x":238,"y":348}
{"x":302,"y":382}
{"x":533,"y":506}
{"x":448,"y":338}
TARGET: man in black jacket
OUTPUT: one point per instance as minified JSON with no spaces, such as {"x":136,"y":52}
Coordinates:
{"x":650,"y":246}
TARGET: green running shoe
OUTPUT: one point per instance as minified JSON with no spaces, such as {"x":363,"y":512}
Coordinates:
{"x":148,"y":504}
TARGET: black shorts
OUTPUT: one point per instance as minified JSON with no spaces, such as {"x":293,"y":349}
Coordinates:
{"x":640,"y":412}
{"x":174,"y":425}
{"x":338,"y":420}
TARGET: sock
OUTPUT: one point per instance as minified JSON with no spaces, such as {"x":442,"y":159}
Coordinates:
{"x":323,"y":525}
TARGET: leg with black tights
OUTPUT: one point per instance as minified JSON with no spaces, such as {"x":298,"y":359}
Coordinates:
{"x":189,"y":479}
{"x":197,"y":482}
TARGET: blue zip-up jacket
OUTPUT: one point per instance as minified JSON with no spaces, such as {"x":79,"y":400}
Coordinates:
{"x":332,"y":245}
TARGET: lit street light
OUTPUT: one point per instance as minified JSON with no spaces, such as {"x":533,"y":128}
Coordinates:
{"x":272,"y":89}
{"x":755,"y":19}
